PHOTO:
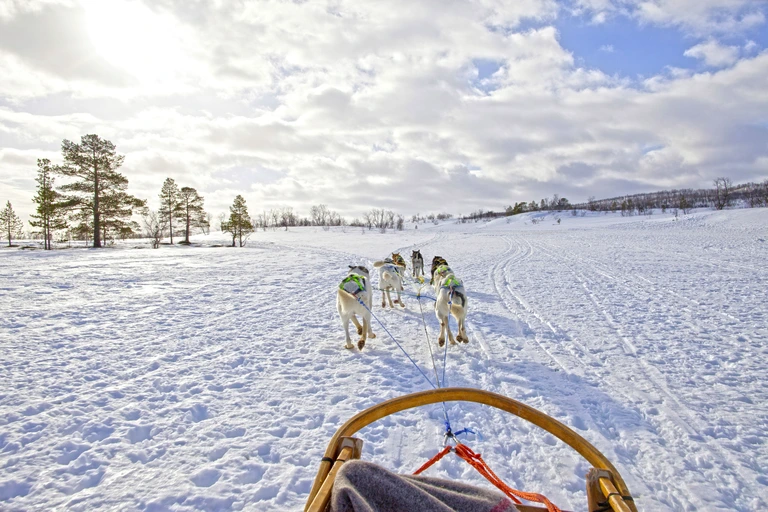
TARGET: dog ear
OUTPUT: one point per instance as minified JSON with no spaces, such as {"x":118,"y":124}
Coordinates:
{"x":351,"y":267}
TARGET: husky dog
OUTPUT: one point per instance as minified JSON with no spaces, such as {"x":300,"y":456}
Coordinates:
{"x":390,"y":278}
{"x":417,"y":263}
{"x":451,"y":300}
{"x":436,"y":262}
{"x":399,"y":261}
{"x":356,"y":288}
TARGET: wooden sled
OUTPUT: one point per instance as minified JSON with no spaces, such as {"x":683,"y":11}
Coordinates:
{"x":605,"y":487}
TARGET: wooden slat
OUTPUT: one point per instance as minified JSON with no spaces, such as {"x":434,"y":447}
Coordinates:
{"x":324,"y":494}
{"x":616,"y":502}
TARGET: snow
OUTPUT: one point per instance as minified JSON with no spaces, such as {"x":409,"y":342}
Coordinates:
{"x":211,"y":378}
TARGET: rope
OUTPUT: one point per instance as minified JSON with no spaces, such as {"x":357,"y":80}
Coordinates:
{"x":434,"y":459}
{"x":476,"y":461}
{"x":402,"y":292}
{"x":398,"y":344}
{"x":447,"y":421}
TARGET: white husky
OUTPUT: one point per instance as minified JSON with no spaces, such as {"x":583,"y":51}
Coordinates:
{"x":451,"y":300}
{"x":357,"y":285}
{"x":390,"y":278}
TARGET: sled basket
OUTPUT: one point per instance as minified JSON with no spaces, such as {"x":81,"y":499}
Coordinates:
{"x":606,"y":489}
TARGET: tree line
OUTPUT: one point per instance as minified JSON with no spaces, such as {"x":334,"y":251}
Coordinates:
{"x":95,"y":205}
{"x":723,"y":194}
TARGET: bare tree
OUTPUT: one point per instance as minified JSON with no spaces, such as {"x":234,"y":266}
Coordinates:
{"x":723,"y":189}
{"x":262,"y":221}
{"x":154,"y":226}
{"x":287,"y":218}
{"x":320,"y":215}
{"x":208,"y":223}
{"x":274,"y":218}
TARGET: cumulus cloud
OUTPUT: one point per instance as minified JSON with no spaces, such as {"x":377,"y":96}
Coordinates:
{"x":713,"y":53}
{"x":363,"y":104}
{"x":699,"y":17}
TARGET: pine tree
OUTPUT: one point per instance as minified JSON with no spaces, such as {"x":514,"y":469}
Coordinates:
{"x":10,"y":223}
{"x":192,"y":212}
{"x":239,"y":223}
{"x":51,"y":207}
{"x":170,"y":206}
{"x":100,"y":189}
{"x":117,"y":209}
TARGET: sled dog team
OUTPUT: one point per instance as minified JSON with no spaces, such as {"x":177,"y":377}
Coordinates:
{"x":354,"y":297}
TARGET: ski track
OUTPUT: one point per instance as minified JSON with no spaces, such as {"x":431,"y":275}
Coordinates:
{"x":212,"y":378}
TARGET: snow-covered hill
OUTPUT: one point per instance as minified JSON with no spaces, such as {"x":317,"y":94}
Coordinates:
{"x":202,"y":378}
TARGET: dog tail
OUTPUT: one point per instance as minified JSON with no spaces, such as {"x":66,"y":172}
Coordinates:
{"x":461,"y":297}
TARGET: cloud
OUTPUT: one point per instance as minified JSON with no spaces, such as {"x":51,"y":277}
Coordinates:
{"x":698,"y":17}
{"x":361,"y":104}
{"x":713,"y":53}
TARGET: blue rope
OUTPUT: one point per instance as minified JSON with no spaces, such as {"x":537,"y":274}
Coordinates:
{"x":410,"y":294}
{"x":447,"y":422}
{"x":399,"y":345}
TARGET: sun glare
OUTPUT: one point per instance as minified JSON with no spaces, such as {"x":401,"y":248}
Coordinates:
{"x":132,"y":37}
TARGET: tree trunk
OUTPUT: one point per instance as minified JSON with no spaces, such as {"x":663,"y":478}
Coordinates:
{"x":186,"y":232}
{"x":96,"y":216}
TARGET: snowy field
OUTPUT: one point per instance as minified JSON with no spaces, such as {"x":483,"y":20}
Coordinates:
{"x":211,"y":378}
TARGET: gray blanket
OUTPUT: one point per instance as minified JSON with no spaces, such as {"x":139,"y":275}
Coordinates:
{"x":365,"y":487}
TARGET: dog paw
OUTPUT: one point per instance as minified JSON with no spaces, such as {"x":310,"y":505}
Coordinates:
{"x":441,"y":342}
{"x":349,"y":346}
{"x":359,"y":330}
{"x":360,"y":344}
{"x":371,"y":335}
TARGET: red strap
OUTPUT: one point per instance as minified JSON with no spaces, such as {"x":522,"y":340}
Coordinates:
{"x":477,"y":462}
{"x":433,"y":460}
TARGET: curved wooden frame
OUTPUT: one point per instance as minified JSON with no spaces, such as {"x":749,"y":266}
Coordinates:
{"x":519,"y":409}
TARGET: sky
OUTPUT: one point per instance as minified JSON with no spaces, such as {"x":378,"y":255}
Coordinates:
{"x":419,"y":107}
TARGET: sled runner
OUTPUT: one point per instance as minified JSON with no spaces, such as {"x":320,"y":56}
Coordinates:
{"x":606,"y":490}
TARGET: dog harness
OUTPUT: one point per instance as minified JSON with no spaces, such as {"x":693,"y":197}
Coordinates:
{"x":442,"y":270}
{"x":393,"y":268}
{"x":351,"y":282}
{"x":452,"y":282}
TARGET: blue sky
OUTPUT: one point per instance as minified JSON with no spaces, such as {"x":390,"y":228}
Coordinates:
{"x":350,"y":103}
{"x":626,"y":47}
